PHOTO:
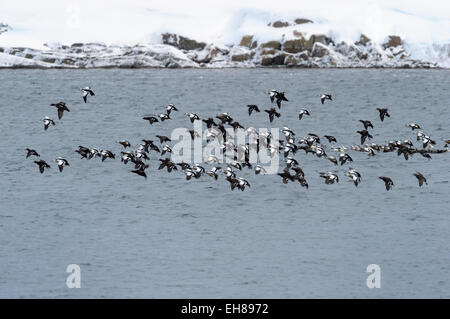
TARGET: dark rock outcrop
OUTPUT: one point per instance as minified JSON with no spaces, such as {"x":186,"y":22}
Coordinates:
{"x":181,"y":42}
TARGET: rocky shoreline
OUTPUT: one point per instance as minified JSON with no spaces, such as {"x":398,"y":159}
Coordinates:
{"x":295,"y":49}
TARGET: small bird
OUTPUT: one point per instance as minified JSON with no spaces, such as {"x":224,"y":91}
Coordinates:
{"x":329,"y":177}
{"x":124,"y":143}
{"x":332,"y":159}
{"x":324,"y":97}
{"x":140,"y":171}
{"x":383,"y":113}
{"x":170,"y":108}
{"x":163,"y":139}
{"x":61,"y":163}
{"x":165,"y":149}
{"x":163,"y":117}
{"x":330,"y":138}
{"x":192,"y":117}
{"x":420,"y":178}
{"x":251,"y":108}
{"x":278,"y":96}
{"x":61,"y":106}
{"x":87,"y":91}
{"x":414,"y":126}
{"x":272,"y":113}
{"x":47,"y":121}
{"x":364,"y":134}
{"x":260,"y":170}
{"x":31,"y":152}
{"x":106,"y":154}
{"x":355,"y":176}
{"x":42,"y":165}
{"x":303,"y":112}
{"x":213,"y":172}
{"x":344,"y":157}
{"x":209,"y":122}
{"x":151,"y":119}
{"x":387,"y":182}
{"x":366,"y":124}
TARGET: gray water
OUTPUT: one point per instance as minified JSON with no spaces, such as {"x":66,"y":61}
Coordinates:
{"x":166,"y":237}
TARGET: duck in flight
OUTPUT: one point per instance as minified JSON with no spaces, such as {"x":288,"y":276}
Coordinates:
{"x":31,"y":152}
{"x":61,"y":163}
{"x":151,"y":119}
{"x":366,"y":124}
{"x":324,"y":97}
{"x":42,"y":165}
{"x":383,"y":113}
{"x":124,"y":143}
{"x":420,"y":178}
{"x":251,"y":108}
{"x":86,"y":92}
{"x":272,"y":113}
{"x":329,"y":177}
{"x":61,"y":106}
{"x":303,"y":112}
{"x":170,"y":108}
{"x":364,"y":134}
{"x":388,"y":183}
{"x":47,"y":121}
{"x":278,"y":97}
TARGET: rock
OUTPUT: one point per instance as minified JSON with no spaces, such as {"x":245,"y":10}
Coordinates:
{"x":247,"y":41}
{"x":189,"y":44}
{"x":319,"y":50}
{"x":240,"y":57}
{"x":2,"y":50}
{"x":271,"y":45}
{"x":181,"y":42}
{"x":298,"y":34}
{"x":280,"y":24}
{"x":294,"y":46}
{"x":291,"y":60}
{"x":363,"y":40}
{"x":29,"y":56}
{"x":279,"y":59}
{"x":48,"y":60}
{"x":269,"y":52}
{"x":76,"y":45}
{"x":304,"y":55}
{"x":302,"y":21}
{"x":320,"y":38}
{"x":392,"y":42}
{"x":68,"y":61}
{"x":266,"y":60}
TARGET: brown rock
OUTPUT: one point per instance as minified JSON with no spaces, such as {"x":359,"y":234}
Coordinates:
{"x":271,"y":45}
{"x":294,"y":46}
{"x":189,"y":44}
{"x":280,"y":24}
{"x":240,"y":57}
{"x":29,"y":56}
{"x":181,"y":42}
{"x":363,"y":40}
{"x":266,"y":60}
{"x":393,"y":41}
{"x":319,"y":50}
{"x":298,"y":34}
{"x":246,"y":41}
{"x":304,"y":55}
{"x":292,"y":60}
{"x":279,"y":59}
{"x":268,"y":51}
{"x":76,"y":45}
{"x":302,"y":21}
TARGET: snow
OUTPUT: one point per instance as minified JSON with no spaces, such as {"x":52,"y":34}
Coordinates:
{"x":424,"y":26}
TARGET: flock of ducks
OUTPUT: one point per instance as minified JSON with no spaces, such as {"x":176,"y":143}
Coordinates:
{"x":239,"y":154}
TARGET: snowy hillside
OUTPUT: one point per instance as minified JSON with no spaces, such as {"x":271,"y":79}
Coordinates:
{"x":140,"y":33}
